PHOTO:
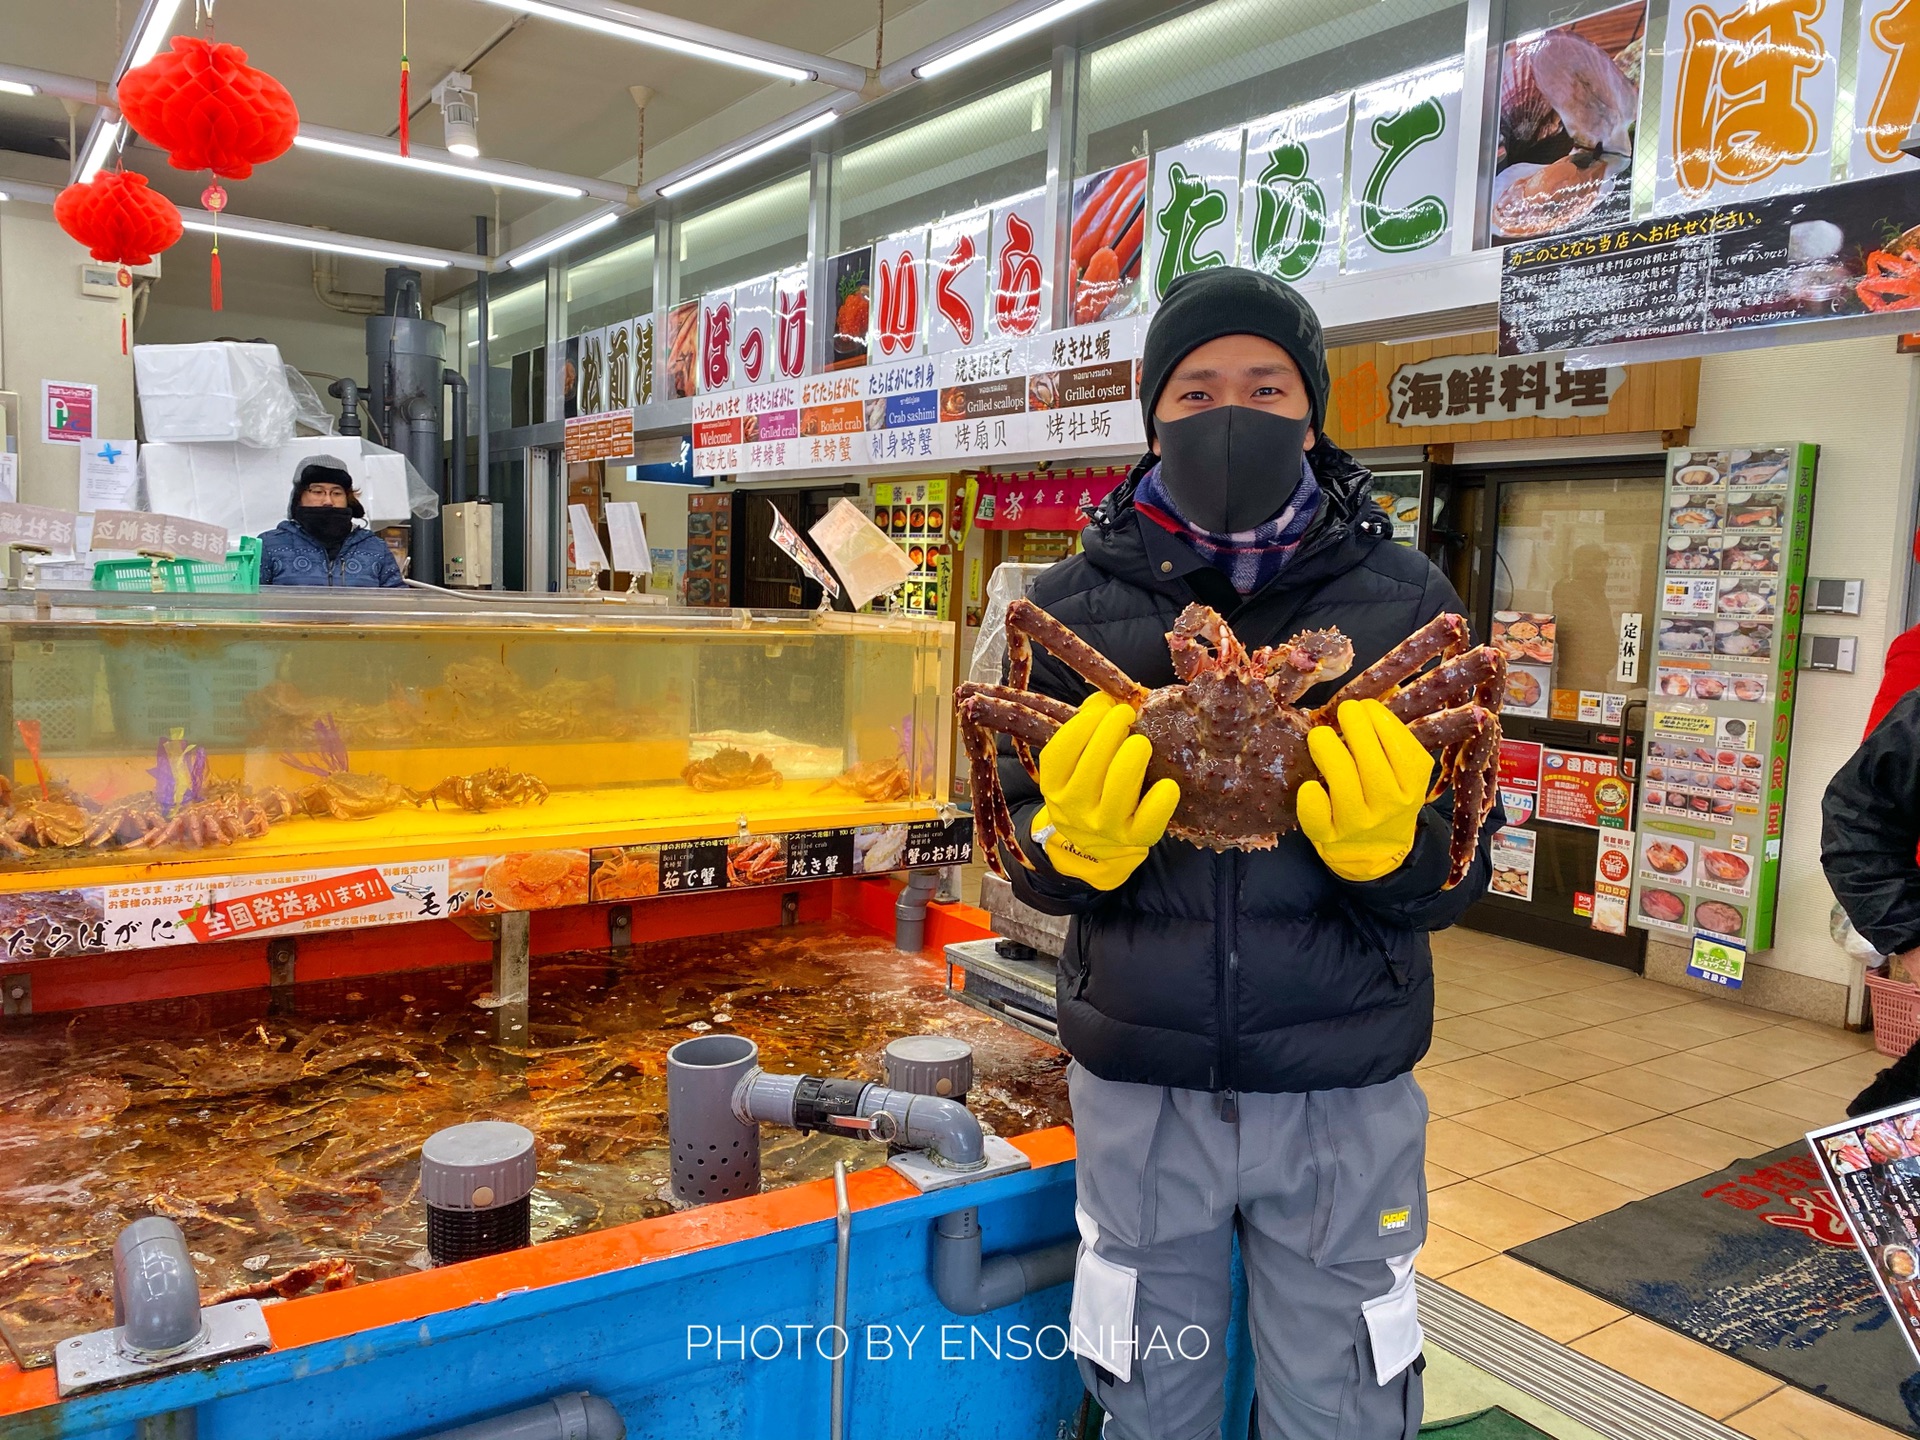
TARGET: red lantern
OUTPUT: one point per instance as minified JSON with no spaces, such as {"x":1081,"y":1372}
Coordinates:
{"x":118,"y":218}
{"x":209,"y":109}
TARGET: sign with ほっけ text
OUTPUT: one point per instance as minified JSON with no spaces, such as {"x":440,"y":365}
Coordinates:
{"x":1467,"y":389}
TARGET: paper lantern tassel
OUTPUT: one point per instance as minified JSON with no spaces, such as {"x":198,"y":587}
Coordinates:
{"x":213,"y":273}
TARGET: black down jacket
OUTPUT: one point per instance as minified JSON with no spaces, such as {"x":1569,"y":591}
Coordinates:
{"x":1871,"y":828}
{"x":1248,"y":970}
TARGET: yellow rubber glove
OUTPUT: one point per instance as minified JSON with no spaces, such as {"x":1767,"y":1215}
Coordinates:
{"x":1362,"y":819}
{"x":1096,"y":826}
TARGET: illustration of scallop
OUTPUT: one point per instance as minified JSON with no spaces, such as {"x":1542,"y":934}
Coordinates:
{"x":1562,"y":80}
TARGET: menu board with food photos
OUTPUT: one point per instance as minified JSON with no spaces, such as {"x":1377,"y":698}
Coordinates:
{"x":1720,"y":715}
{"x":913,"y":513}
{"x":1871,"y":1164}
{"x":1528,"y":639}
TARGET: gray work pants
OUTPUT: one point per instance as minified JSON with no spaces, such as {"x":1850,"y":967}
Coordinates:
{"x":1327,"y":1193}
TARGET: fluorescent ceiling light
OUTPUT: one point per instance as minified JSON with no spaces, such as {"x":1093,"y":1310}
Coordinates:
{"x":4,"y":195}
{"x":655,"y":37}
{"x":437,"y":167}
{"x":564,"y":238}
{"x":154,"y":34}
{"x":303,"y":242}
{"x":750,"y":154}
{"x":105,"y":137}
{"x":994,"y":39}
{"x":14,"y":87}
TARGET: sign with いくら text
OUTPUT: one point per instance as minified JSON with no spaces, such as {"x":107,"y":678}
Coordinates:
{"x":1373,"y":383}
{"x":171,"y":535}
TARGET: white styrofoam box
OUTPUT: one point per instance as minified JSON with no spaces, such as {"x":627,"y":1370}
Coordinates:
{"x":220,"y":390}
{"x":247,"y":489}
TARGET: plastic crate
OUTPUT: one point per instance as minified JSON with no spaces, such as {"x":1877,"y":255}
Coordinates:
{"x":1896,"y":1014}
{"x":238,"y":574}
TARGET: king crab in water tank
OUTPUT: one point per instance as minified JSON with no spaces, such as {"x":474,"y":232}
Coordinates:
{"x":1231,"y":732}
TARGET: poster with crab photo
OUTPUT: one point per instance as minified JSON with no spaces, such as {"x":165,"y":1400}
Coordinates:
{"x":1737,"y":525}
{"x":1569,"y":104}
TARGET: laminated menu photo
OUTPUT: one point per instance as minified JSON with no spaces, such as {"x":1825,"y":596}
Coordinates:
{"x":1872,"y":1167}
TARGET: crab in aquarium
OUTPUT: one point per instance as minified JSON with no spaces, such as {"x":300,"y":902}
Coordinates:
{"x":490,"y":789}
{"x":874,"y":780}
{"x":731,"y":769}
{"x":47,"y":821}
{"x":343,"y":793}
{"x":1231,"y":732}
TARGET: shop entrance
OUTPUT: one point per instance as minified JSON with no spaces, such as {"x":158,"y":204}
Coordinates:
{"x":1580,"y":543}
{"x":770,"y":578}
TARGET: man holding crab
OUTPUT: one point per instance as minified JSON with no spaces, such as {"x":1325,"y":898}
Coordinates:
{"x":1243,"y":1024}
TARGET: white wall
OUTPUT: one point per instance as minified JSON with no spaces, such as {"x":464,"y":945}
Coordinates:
{"x":50,"y":331}
{"x":1859,"y":401}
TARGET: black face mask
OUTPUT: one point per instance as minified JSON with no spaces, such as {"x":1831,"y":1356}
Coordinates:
{"x":328,"y":524}
{"x":1231,"y":468}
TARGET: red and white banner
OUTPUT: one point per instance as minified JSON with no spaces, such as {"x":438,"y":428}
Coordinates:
{"x":957,"y":283}
{"x":1042,"y":499}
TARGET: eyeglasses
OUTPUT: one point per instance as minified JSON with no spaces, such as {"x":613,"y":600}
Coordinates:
{"x":326,"y":492}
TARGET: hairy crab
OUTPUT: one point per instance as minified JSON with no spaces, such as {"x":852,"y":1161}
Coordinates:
{"x":731,"y":769}
{"x":490,"y":789}
{"x":1231,"y":732}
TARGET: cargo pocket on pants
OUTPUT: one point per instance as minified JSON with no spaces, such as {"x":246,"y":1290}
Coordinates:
{"x":1393,"y":1323}
{"x":1100,"y":1322}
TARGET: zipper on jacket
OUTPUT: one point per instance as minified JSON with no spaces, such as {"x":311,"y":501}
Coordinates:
{"x":1227,"y":940}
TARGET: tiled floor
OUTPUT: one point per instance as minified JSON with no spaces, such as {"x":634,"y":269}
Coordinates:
{"x":1562,"y":1089}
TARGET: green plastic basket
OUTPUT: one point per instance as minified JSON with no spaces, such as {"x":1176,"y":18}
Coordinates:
{"x":238,"y":574}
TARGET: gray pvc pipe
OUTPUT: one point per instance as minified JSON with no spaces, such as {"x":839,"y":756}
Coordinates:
{"x":945,"y":1129}
{"x":910,"y":910}
{"x":156,"y":1295}
{"x":579,"y":1416}
{"x":715,"y":1149}
{"x":968,"y":1286}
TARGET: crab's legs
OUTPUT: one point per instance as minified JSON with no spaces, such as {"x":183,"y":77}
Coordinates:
{"x":1028,"y":623}
{"x":1479,"y":676}
{"x":1466,"y":740}
{"x":1444,"y":635}
{"x":1030,"y":720}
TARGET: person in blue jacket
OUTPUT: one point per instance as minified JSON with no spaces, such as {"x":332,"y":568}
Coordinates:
{"x":319,"y":542}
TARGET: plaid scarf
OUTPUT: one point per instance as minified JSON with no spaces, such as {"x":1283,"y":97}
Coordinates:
{"x":1249,"y":558}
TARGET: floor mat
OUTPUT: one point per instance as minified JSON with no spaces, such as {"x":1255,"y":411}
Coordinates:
{"x":1494,"y":1424}
{"x":1756,"y":1261}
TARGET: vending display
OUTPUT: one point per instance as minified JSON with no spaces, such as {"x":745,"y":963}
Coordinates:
{"x":1720,"y":713}
{"x":913,"y":513}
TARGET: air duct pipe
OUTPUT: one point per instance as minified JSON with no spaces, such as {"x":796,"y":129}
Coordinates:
{"x":406,"y":370}
{"x":579,"y":1416}
{"x":458,"y":485}
{"x":156,"y":1295}
{"x":718,"y":1097}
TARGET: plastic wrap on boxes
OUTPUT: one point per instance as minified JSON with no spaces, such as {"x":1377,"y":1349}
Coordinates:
{"x":247,"y":489}
{"x":310,"y":413}
{"x":223,"y":390}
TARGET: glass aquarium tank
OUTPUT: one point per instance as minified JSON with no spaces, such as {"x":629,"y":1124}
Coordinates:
{"x":250,"y":730}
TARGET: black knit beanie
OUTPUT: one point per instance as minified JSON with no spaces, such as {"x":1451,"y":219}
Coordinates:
{"x":324,"y":470}
{"x":1203,"y":305}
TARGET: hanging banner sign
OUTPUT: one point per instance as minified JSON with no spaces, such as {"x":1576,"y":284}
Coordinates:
{"x":753,"y":358}
{"x":1886,"y":88}
{"x":643,"y":359}
{"x":1406,"y":144}
{"x":1196,"y":207}
{"x":1746,"y":103}
{"x":591,"y":397}
{"x":1846,"y":250}
{"x":620,"y":366}
{"x":902,"y":411}
{"x":957,"y":279}
{"x":1296,"y":176}
{"x":1017,"y":305}
{"x":1042,"y":500}
{"x":1080,"y":393}
{"x":899,"y":312}
{"x":790,"y":353}
{"x":1107,"y":241}
{"x":716,"y":341}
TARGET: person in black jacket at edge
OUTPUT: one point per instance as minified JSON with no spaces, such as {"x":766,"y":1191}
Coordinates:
{"x":1243,"y":1025}
{"x":1869,"y":834}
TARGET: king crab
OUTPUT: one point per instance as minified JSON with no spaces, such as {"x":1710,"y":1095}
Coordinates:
{"x":1231,"y":733}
